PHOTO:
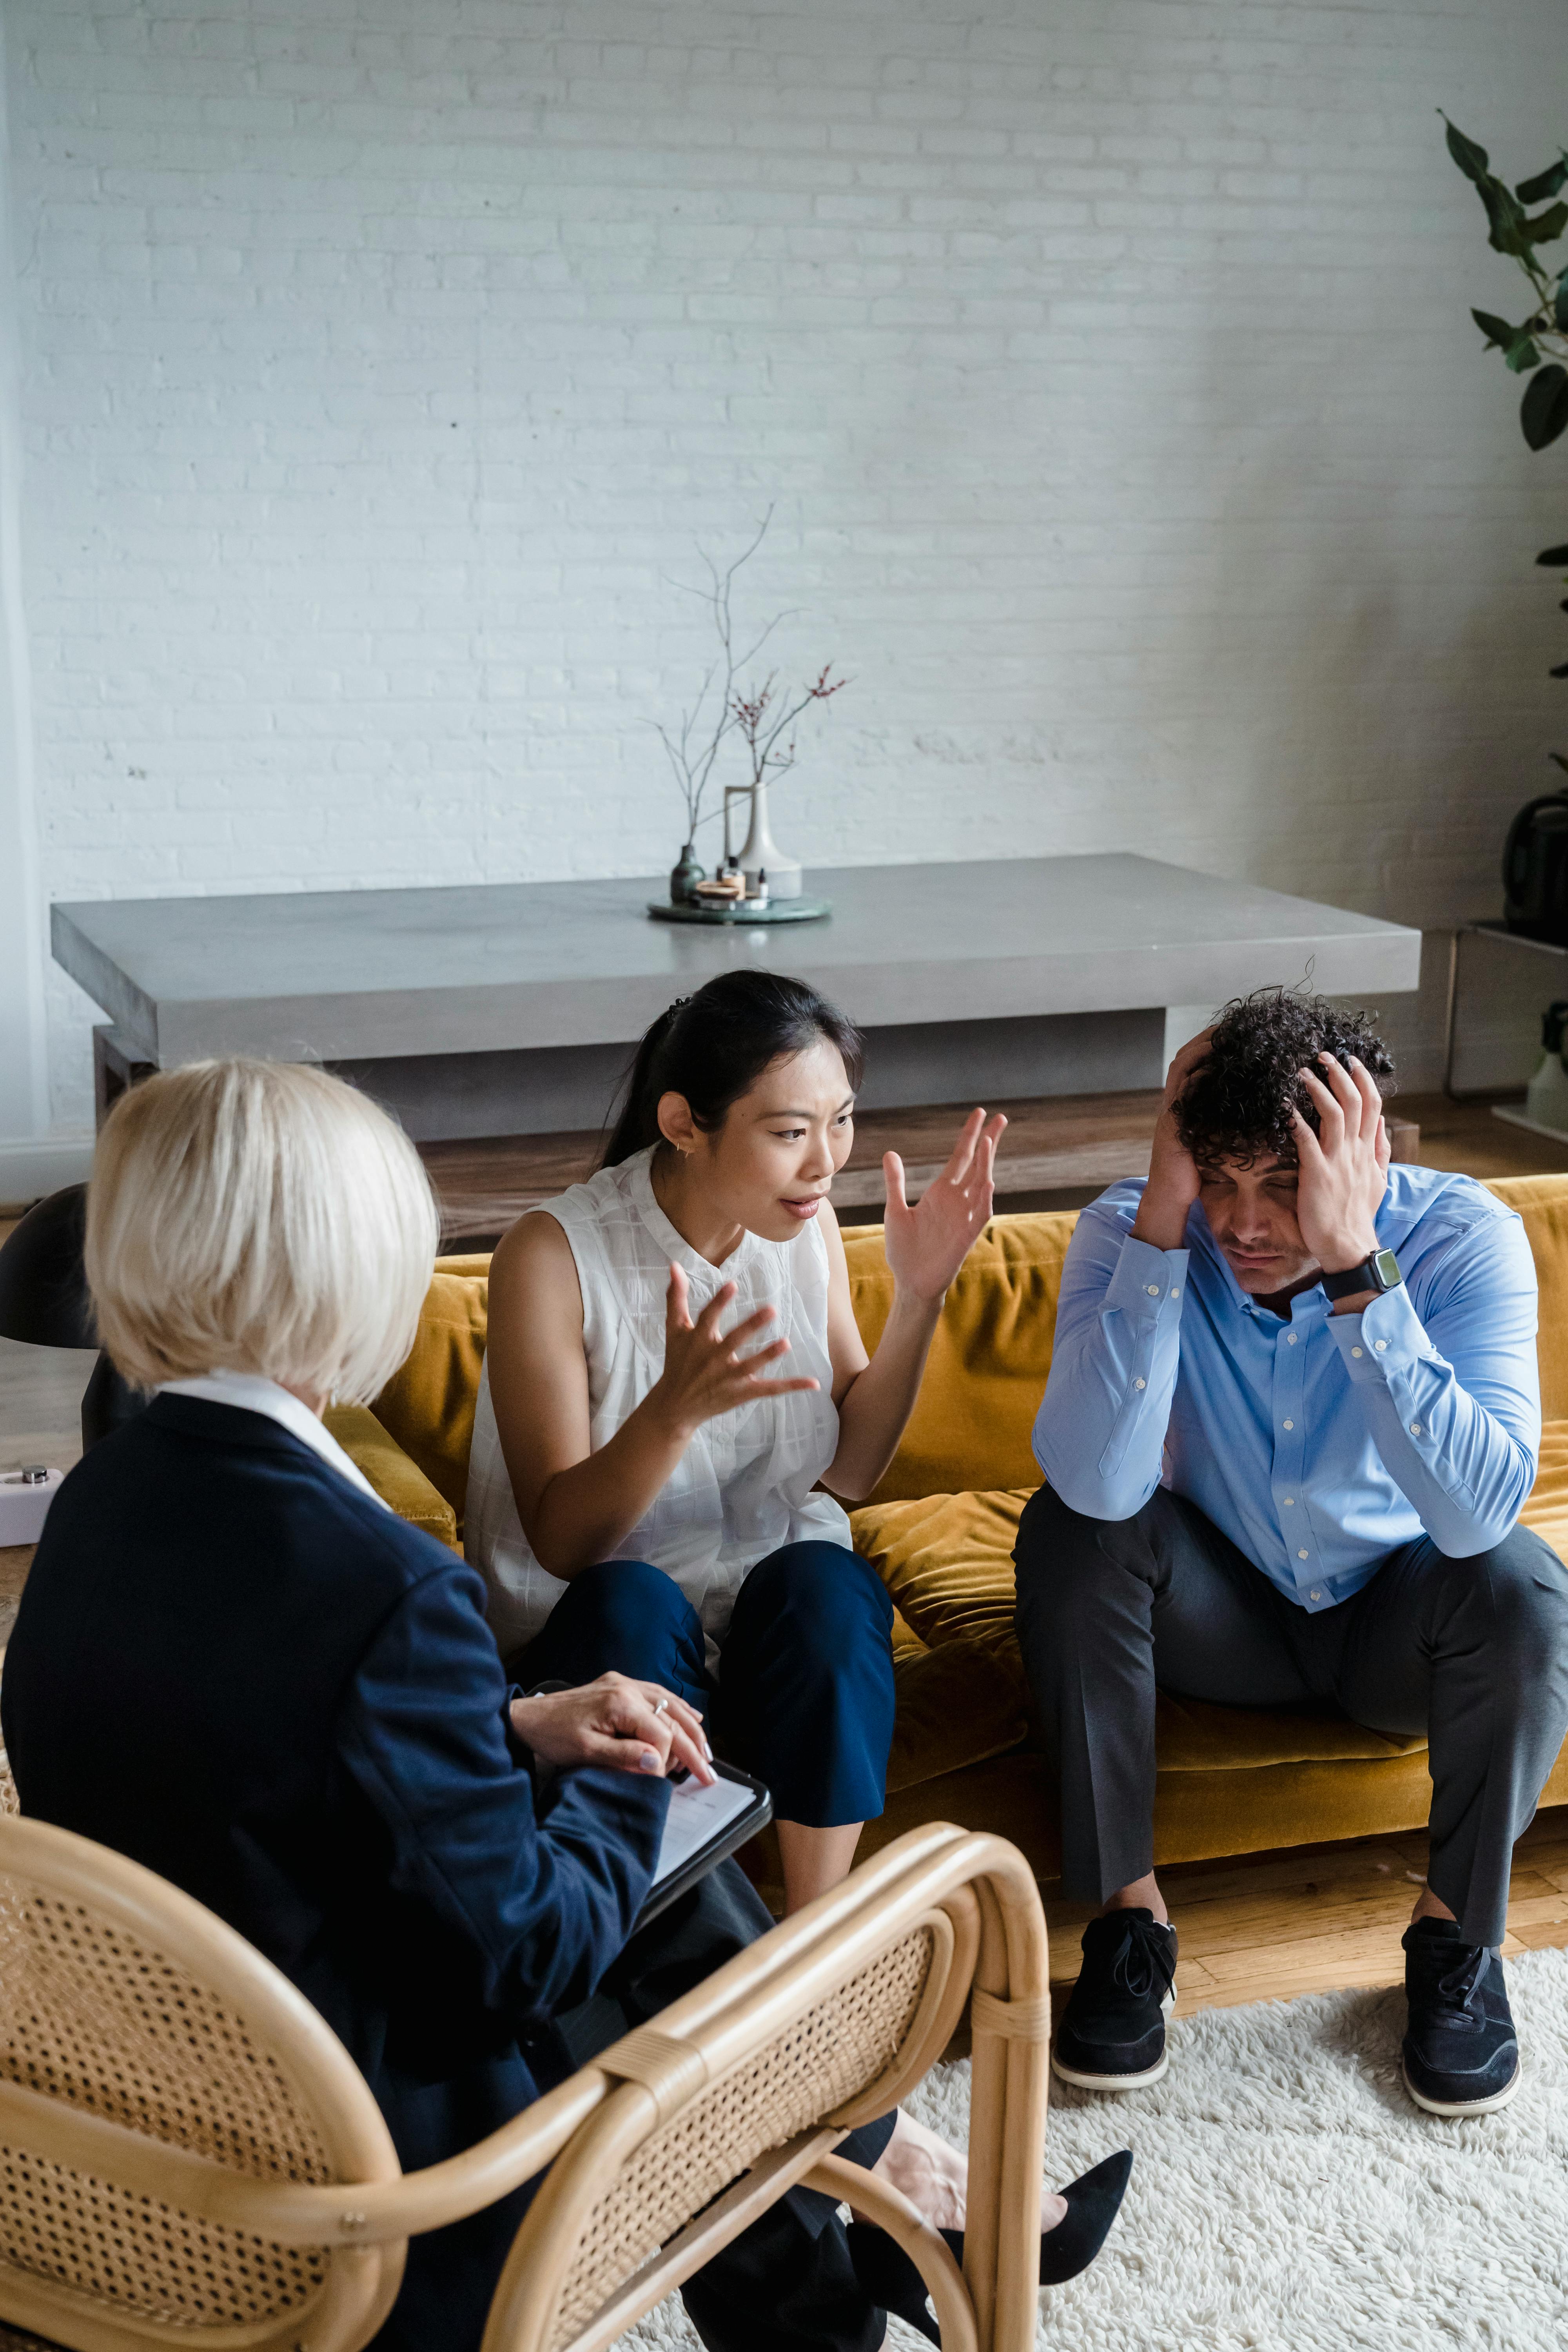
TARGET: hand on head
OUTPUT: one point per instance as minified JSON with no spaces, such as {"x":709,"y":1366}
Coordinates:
{"x":626,"y":1726}
{"x":928,"y":1244}
{"x":1173,"y":1179}
{"x":1343,"y":1169}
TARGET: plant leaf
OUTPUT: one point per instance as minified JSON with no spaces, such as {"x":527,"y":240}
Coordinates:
{"x":1506,"y":218}
{"x":1471,"y":160}
{"x":1541,"y":228}
{"x":1560,"y":308}
{"x":1543,"y":411}
{"x":1496,"y":331}
{"x":1522,"y":356}
{"x":1545,"y":185}
{"x":1560,"y":672}
{"x":1562,"y":762}
{"x":1553,"y":555}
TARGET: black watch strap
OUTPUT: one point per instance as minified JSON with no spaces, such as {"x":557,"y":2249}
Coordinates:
{"x":1379,"y":1272}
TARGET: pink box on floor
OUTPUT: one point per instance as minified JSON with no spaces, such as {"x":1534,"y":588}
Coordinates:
{"x":24,"y":1498}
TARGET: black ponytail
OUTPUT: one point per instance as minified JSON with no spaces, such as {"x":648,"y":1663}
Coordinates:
{"x":713,"y":1047}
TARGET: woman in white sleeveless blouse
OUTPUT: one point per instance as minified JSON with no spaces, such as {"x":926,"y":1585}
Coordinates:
{"x":675,"y":1391}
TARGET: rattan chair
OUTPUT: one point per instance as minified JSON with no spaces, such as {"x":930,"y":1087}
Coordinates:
{"x":189,"y":2155}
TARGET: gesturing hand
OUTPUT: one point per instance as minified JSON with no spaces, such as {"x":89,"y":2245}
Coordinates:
{"x":926,"y":1244}
{"x":629,"y":1726}
{"x":704,"y":1373}
{"x":1172,"y":1186}
{"x":1344,"y":1167}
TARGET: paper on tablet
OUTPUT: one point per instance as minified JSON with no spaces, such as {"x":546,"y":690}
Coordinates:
{"x":696,"y":1817}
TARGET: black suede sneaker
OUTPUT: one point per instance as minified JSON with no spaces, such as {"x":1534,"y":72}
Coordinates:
{"x":1461,"y":2054}
{"x":1112,"y":2036}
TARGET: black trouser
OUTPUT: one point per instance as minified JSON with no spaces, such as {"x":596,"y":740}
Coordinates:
{"x":1473,"y":1653}
{"x":784,"y":2283}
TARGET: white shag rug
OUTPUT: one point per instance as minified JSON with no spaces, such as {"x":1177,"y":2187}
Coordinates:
{"x":1288,"y":2196}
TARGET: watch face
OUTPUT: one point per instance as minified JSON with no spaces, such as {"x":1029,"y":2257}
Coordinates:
{"x":1385,"y":1266}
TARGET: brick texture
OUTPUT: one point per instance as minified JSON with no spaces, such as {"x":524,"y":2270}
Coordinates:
{"x":1106,"y":362}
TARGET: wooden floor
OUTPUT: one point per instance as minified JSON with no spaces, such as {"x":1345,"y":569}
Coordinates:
{"x":1268,"y":1927}
{"x":1320,"y":1918}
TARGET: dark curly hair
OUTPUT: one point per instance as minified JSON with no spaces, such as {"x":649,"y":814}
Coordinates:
{"x":1238,"y":1102}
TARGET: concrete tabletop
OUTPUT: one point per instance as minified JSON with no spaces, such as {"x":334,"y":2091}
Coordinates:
{"x":351,"y":974}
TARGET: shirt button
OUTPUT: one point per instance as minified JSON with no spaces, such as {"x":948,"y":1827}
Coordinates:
{"x":1316,"y":1593}
{"x":1290,"y":1338}
{"x":1290,"y":1502}
{"x":1380,"y":1345}
{"x":1303,"y":1555}
{"x":1137,"y":1384}
{"x":1153,"y":1290}
{"x":1175,"y":1293}
{"x":1355,"y":1351}
{"x":1289,"y":1424}
{"x":1415,"y":1428}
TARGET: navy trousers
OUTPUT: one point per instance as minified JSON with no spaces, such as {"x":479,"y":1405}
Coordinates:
{"x":805,"y":1696}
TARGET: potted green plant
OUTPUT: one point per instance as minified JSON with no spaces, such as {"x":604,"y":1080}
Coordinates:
{"x":1535,"y":858}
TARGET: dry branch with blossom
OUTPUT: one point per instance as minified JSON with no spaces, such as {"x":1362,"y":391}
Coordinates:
{"x":762,"y":724}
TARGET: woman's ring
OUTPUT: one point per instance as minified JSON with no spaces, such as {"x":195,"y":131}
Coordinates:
{"x":663,"y":1708}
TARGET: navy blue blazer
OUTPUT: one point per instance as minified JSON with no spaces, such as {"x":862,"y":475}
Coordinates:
{"x":232,"y":1665}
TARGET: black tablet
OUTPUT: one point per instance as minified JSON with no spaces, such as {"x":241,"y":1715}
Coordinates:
{"x":703,"y":1828}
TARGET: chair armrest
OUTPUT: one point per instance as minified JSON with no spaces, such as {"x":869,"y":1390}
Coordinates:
{"x":397,"y":1477}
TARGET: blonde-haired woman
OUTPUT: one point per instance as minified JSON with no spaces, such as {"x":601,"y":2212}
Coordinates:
{"x":233,"y":1662}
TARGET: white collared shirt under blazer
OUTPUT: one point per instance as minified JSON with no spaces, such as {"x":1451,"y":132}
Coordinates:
{"x":746,"y":1484}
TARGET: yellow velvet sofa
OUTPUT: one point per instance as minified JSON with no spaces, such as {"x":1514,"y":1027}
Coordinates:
{"x":940,"y":1531}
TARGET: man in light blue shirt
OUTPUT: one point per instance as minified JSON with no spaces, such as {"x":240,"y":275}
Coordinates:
{"x":1292,"y":1419}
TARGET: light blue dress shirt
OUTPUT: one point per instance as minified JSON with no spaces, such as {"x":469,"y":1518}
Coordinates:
{"x":1318,"y":1445}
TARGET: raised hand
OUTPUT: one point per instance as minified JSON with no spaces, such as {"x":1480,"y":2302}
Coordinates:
{"x":927,"y":1244}
{"x":1172,"y":1186}
{"x":630,"y":1726}
{"x":1344,"y":1167}
{"x":705,"y":1373}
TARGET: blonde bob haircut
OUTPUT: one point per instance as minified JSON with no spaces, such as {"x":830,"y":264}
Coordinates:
{"x":258,"y":1217}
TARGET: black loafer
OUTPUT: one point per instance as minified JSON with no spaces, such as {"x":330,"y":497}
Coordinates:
{"x":1113,"y":2034}
{"x":892,"y":2282}
{"x":1460,"y":2052}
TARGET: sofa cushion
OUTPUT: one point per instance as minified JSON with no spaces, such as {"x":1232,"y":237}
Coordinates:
{"x":947,"y":1561}
{"x":986,"y":1373}
{"x":1547,"y":1509}
{"x":429,"y":1405}
{"x":1541,"y":1205}
{"x":398,"y":1479}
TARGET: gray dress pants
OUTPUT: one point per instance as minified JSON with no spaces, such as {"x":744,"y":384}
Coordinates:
{"x":1474,"y":1652}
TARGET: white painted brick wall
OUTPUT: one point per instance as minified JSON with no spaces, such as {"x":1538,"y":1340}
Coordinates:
{"x":1108,"y":362}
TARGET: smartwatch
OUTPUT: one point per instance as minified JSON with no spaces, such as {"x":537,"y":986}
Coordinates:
{"x":1379,"y":1272}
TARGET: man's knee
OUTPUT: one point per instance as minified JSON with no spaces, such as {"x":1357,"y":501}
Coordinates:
{"x":1064,"y":1560}
{"x":1524,"y":1587}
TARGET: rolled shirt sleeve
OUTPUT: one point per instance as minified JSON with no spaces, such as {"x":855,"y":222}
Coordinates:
{"x":1102,"y":1423}
{"x":1453,"y":1401}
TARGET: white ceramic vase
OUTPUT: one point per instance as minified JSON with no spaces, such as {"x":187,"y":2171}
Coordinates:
{"x":761,"y":852}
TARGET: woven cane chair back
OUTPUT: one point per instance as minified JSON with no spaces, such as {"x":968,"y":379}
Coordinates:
{"x":122,"y":2001}
{"x":722,"y":2100}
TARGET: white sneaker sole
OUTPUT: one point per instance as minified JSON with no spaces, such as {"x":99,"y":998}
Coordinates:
{"x":1128,"y":2081}
{"x":1462,"y":2107}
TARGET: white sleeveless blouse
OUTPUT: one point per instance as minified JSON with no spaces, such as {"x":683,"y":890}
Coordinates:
{"x":744,"y":1484}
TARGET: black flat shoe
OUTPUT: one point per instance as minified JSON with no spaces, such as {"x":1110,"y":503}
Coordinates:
{"x":892,"y":2282}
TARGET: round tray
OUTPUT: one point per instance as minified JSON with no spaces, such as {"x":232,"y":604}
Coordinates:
{"x":777,"y":910}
